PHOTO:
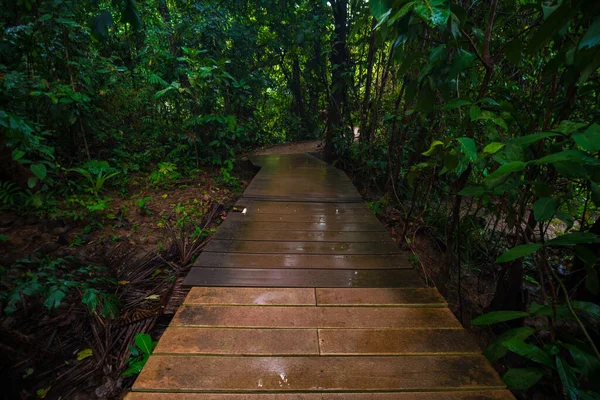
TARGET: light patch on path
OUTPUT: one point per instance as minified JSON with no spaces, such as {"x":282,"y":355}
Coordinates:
{"x":310,"y":146}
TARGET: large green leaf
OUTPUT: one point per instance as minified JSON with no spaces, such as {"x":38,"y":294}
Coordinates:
{"x":551,"y":26}
{"x":518,"y":252}
{"x":475,"y":191}
{"x":591,"y":310}
{"x":568,"y":378}
{"x":577,"y":156}
{"x":468,"y":147}
{"x":503,"y":170}
{"x":493,"y":148}
{"x":498,"y":316}
{"x":590,"y":139}
{"x":434,"y":12}
{"x":592,"y":35}
{"x":544,"y":208}
{"x":456,"y":103}
{"x":496,"y":350}
{"x":54,"y":298}
{"x":144,"y":342}
{"x":522,"y":378}
{"x":529,"y":351}
{"x":460,"y":61}
{"x":39,"y":170}
{"x":380,"y":7}
{"x":574,"y":238}
{"x":528,"y":140}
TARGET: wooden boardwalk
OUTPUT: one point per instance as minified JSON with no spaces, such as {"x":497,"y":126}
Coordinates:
{"x":304,"y":296}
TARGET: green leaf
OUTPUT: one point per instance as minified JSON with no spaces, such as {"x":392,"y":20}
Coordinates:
{"x":574,"y":238}
{"x":17,"y":154}
{"x":590,"y":139}
{"x":528,"y":140}
{"x":144,"y":342}
{"x":493,"y":147}
{"x":551,"y":27}
{"x":496,"y":350}
{"x":569,"y":381}
{"x":577,"y":156}
{"x":135,"y":367}
{"x":83,"y":354}
{"x":380,"y":7}
{"x":522,"y":378}
{"x":468,"y":147}
{"x":32,"y":181}
{"x":544,"y":208}
{"x":39,"y":170}
{"x":456,"y":103}
{"x":461,"y":60}
{"x":591,"y":310}
{"x":474,"y":112}
{"x":401,"y":12}
{"x":383,"y":18}
{"x":518,"y":252}
{"x":498,"y":316}
{"x":592,"y":35}
{"x":474,"y":191}
{"x":529,"y":351}
{"x":503,"y":170}
{"x":54,"y":298}
{"x":433,"y":148}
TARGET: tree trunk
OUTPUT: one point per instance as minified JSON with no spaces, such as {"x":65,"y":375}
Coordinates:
{"x":338,"y":57}
{"x":364,"y":116}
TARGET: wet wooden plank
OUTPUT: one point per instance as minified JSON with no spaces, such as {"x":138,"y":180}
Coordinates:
{"x":224,"y":396}
{"x":302,"y":236}
{"x":385,"y":297}
{"x":277,"y":247}
{"x":313,"y":217}
{"x":396,"y":342}
{"x":283,"y":374}
{"x":306,"y":226}
{"x":439,"y":395}
{"x":314,"y":317}
{"x":212,"y":341}
{"x":251,"y":296}
{"x":301,"y":261}
{"x":299,"y":208}
{"x":272,"y":277}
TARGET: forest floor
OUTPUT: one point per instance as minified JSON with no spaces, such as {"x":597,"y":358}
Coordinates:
{"x":140,"y":247}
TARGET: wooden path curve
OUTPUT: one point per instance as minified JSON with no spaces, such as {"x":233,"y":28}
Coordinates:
{"x":303,"y":295}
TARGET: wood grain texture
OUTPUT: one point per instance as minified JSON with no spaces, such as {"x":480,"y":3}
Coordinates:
{"x":322,"y":374}
{"x":328,"y":278}
{"x":314,"y":317}
{"x":301,"y":261}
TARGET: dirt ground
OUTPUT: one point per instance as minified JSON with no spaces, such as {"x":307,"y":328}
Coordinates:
{"x":310,"y":146}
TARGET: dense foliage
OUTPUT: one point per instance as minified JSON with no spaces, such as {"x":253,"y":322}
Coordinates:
{"x":479,"y":120}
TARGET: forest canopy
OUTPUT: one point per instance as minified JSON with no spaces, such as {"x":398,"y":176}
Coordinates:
{"x":476,"y":121}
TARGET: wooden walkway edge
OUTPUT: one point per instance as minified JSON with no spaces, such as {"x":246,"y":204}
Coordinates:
{"x":303,"y":295}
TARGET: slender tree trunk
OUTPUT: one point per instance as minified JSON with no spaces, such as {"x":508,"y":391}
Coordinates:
{"x":338,"y":58}
{"x":364,"y":116}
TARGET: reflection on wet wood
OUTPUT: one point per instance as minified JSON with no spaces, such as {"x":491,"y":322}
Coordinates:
{"x":329,"y":278}
{"x":303,"y":295}
{"x":279,"y":247}
{"x":302,"y":261}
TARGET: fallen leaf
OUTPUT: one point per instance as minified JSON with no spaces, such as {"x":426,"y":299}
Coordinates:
{"x":83,"y":354}
{"x":41,"y":393}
